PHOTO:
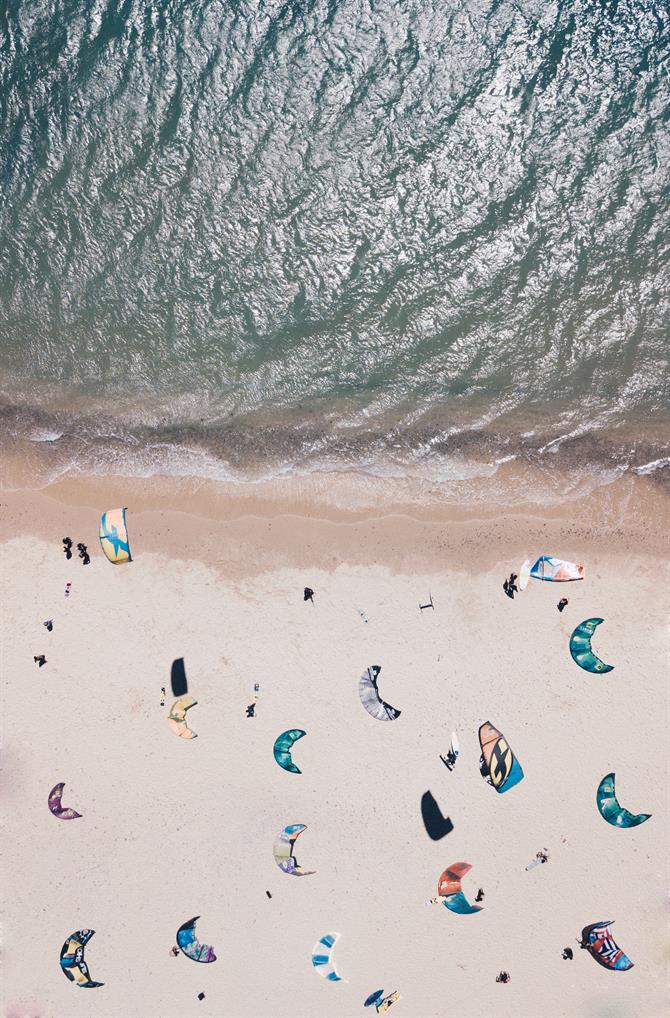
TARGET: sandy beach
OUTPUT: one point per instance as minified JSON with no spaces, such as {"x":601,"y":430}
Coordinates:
{"x":173,"y":829}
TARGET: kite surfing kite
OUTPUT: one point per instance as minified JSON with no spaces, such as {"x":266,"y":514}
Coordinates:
{"x":282,"y":749}
{"x":114,"y":536}
{"x":62,"y":812}
{"x":190,"y":945}
{"x":283,"y":851}
{"x":611,"y":811}
{"x":557,"y":569}
{"x":497,"y":764}
{"x":177,"y":717}
{"x":321,"y":957}
{"x":72,"y":960}
{"x":370,"y":698}
{"x":450,"y":893}
{"x":598,"y":941}
{"x":580,"y":647}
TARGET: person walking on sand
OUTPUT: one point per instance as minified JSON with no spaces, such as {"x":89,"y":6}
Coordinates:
{"x":67,"y":547}
{"x":562,"y":603}
{"x":308,"y":595}
{"x":49,"y":624}
{"x":39,"y":660}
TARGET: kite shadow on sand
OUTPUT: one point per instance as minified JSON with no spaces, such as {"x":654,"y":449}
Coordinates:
{"x":436,"y":824}
{"x":178,"y":678}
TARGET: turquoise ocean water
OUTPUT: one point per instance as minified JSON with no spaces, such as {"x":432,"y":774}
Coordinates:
{"x":240,"y":239}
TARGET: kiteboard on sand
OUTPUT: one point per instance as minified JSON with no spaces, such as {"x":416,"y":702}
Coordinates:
{"x":455,"y":748}
{"x":385,"y":1004}
{"x":450,"y":759}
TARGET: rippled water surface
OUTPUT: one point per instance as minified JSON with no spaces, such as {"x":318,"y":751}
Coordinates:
{"x":289,"y":235}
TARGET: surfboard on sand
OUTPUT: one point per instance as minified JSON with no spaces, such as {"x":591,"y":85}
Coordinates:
{"x":524,"y":575}
{"x":384,"y":1005}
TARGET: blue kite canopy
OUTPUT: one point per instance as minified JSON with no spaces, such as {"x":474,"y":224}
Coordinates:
{"x":321,"y":957}
{"x":460,"y":904}
{"x":190,"y":945}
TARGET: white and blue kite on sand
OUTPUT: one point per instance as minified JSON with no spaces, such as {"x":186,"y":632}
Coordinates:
{"x":321,"y":957}
{"x":556,"y":569}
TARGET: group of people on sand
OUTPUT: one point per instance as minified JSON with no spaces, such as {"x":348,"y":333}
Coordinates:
{"x":81,"y":548}
{"x":40,"y":659}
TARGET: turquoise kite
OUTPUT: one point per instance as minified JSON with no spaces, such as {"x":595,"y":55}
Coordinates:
{"x":580,"y":647}
{"x":282,"y":749}
{"x":611,"y":811}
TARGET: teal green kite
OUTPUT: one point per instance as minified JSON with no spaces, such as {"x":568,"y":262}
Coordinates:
{"x":580,"y":647}
{"x":609,"y":807}
{"x":282,"y":749}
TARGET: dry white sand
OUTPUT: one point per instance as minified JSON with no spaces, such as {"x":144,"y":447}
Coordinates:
{"x":173,"y":829}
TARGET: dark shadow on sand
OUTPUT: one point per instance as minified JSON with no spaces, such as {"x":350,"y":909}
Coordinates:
{"x":178,"y":678}
{"x":437,"y":825}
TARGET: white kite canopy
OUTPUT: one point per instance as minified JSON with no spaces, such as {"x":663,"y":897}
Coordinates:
{"x":370,"y":698}
{"x":557,"y":569}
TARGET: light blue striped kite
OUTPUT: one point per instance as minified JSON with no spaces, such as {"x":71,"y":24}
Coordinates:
{"x":321,"y":954}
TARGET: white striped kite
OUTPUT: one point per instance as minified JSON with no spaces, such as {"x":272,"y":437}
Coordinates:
{"x":321,"y":957}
